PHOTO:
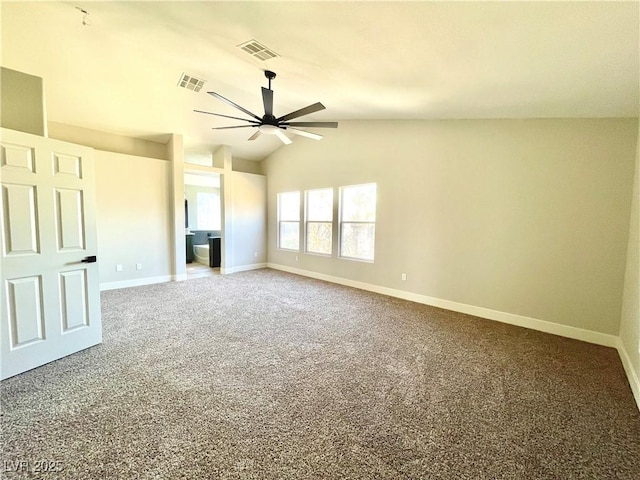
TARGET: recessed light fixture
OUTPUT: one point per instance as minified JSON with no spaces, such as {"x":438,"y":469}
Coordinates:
{"x":190,"y":83}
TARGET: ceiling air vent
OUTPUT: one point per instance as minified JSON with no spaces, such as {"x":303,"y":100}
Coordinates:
{"x":190,"y":83}
{"x":258,"y":50}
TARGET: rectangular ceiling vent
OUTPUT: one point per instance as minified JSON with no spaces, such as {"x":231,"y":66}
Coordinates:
{"x":256,"y":49}
{"x":190,"y":83}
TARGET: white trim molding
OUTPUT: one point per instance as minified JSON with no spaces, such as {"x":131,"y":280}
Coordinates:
{"x":136,"y":282}
{"x":504,"y":317}
{"x":632,"y":375}
{"x":243,"y":268}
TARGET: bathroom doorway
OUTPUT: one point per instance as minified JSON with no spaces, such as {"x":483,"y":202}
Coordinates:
{"x":203,"y":223}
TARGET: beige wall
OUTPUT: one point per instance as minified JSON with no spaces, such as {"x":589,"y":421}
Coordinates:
{"x":108,"y":141}
{"x":528,"y":217}
{"x":245,"y":230}
{"x":22,"y":104}
{"x":630,"y":322}
{"x":133,"y":216}
{"x":247,"y":166}
{"x":175,"y":153}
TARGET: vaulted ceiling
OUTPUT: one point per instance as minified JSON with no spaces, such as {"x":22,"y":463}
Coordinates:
{"x":119,"y":73}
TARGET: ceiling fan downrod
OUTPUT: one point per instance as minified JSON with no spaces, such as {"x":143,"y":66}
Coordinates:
{"x":270,"y":75}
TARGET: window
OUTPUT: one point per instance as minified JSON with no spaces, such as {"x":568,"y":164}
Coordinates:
{"x":289,"y":220}
{"x":208,"y":211}
{"x":319,"y":220}
{"x":358,"y":221}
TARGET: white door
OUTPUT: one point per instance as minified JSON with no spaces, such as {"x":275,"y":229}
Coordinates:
{"x":50,"y":297}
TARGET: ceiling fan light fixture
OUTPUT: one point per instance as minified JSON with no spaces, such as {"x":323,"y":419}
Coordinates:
{"x":268,"y":129}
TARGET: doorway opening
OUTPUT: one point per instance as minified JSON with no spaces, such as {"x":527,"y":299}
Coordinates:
{"x":203,"y":223}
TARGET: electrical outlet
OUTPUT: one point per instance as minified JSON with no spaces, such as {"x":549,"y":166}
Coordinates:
{"x":296,"y":258}
{"x":255,"y":254}
{"x":118,"y":268}
{"x":138,"y":266}
{"x":404,"y":277}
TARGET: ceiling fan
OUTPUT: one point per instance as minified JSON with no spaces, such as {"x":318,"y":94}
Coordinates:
{"x":268,"y":123}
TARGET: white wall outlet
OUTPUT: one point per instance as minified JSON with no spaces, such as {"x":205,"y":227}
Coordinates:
{"x":404,"y":277}
{"x":255,"y":254}
{"x":296,"y":258}
{"x":118,"y":268}
{"x":138,"y":266}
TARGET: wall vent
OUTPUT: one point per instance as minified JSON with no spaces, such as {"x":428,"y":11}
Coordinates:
{"x":190,"y":83}
{"x":256,"y":49}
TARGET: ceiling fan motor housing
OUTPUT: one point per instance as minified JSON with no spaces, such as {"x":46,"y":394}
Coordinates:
{"x":269,"y":120}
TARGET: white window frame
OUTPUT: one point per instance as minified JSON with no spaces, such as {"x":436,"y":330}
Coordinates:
{"x":342,"y":222}
{"x":281,"y":220}
{"x":308,"y":222}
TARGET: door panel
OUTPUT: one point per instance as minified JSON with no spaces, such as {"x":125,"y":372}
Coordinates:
{"x":73,"y":299}
{"x":69,"y":221}
{"x":50,"y":298}
{"x":17,"y":157}
{"x":25,"y":311}
{"x":67,"y":165}
{"x":20,"y":227}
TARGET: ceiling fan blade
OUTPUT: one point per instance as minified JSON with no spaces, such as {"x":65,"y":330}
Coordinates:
{"x":226,"y":116}
{"x":242,"y":109}
{"x":316,"y":107}
{"x":313,"y":124}
{"x":303,"y":133}
{"x":255,"y":135}
{"x":235,"y":126}
{"x":283,"y":138}
{"x":267,"y":99}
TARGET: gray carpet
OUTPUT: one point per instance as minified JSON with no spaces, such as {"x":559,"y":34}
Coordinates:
{"x":269,"y":375}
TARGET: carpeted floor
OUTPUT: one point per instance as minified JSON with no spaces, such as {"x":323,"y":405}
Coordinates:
{"x":268,"y":375}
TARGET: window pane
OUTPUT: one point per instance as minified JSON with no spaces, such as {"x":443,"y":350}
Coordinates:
{"x":208,"y":211}
{"x":359,"y":203}
{"x":357,"y":240}
{"x":290,"y":235}
{"x":289,"y":206}
{"x":320,"y":205}
{"x":319,"y":237}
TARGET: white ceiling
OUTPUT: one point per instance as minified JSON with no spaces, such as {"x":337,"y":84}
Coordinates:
{"x":362,"y":60}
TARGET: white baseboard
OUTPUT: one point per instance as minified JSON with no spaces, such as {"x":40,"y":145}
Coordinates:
{"x":136,"y":282}
{"x":243,"y":268}
{"x":632,"y":375}
{"x":504,"y":317}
